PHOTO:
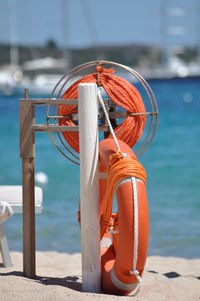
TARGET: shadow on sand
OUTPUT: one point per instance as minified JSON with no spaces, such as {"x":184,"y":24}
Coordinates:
{"x":172,"y":275}
{"x":71,"y":282}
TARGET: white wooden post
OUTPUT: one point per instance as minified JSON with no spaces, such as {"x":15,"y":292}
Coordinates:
{"x":89,"y":187}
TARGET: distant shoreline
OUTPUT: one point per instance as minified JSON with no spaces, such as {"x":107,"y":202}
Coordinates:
{"x":173,"y":78}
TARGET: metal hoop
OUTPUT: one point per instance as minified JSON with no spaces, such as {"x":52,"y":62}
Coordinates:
{"x":65,"y":80}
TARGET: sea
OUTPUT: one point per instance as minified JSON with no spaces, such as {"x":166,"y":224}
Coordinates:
{"x":172,"y":163}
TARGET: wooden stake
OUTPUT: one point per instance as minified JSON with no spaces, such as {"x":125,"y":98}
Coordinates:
{"x":28,"y":217}
{"x":27,"y":153}
{"x":89,"y":187}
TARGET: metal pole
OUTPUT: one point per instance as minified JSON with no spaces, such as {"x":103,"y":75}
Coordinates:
{"x":89,"y":187}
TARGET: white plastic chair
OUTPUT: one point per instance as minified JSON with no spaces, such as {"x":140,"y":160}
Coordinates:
{"x":10,"y":203}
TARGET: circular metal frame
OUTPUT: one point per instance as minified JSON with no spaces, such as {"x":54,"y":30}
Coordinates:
{"x":65,"y":80}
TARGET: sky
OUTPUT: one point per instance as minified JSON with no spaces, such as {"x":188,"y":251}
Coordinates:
{"x":85,"y":23}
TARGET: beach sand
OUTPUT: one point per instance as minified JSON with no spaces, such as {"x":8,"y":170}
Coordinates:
{"x":59,"y":278}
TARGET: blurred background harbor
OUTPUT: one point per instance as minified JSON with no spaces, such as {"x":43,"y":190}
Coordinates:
{"x":160,"y":40}
{"x":42,"y":40}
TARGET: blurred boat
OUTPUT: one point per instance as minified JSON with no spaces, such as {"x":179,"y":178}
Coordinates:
{"x":10,"y":78}
{"x":172,"y":68}
{"x":39,"y":76}
{"x":11,"y":74}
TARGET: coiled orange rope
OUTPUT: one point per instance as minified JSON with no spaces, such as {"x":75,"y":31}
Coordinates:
{"x":120,"y":168}
{"x":129,"y":131}
{"x":120,"y":92}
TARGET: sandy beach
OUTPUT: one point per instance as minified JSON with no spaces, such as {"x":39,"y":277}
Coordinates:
{"x":59,"y":278}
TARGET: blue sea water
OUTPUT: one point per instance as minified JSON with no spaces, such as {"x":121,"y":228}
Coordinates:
{"x":173,"y":177}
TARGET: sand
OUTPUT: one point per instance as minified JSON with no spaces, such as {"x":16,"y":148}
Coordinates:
{"x":59,"y":278}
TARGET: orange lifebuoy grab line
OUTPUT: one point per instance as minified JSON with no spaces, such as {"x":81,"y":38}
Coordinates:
{"x":120,"y":168}
{"x":121,"y":92}
{"x":122,"y":264}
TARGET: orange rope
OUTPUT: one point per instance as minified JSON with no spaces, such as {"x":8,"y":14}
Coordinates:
{"x":120,"y":168}
{"x":120,"y":92}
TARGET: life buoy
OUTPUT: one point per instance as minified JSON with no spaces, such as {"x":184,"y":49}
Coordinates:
{"x":121,"y":267}
{"x":122,"y":263}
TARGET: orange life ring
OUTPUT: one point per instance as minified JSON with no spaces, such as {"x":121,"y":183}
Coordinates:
{"x":119,"y":275}
{"x":122,"y":263}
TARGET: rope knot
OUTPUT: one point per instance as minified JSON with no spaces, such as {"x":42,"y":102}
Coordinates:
{"x":106,"y":224}
{"x":102,"y":69}
{"x":134,"y":272}
{"x":115,"y":157}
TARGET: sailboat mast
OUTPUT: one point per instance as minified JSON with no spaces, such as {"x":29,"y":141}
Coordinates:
{"x":163,"y":33}
{"x":198,"y":31}
{"x":65,"y":23}
{"x":12,"y":15}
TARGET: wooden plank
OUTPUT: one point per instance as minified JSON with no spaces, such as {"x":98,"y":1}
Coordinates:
{"x":118,"y":114}
{"x":27,"y":152}
{"x":54,"y":128}
{"x":26,"y":135}
{"x":43,"y":101}
{"x":61,"y":128}
{"x":28,"y":217}
{"x":112,"y":115}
